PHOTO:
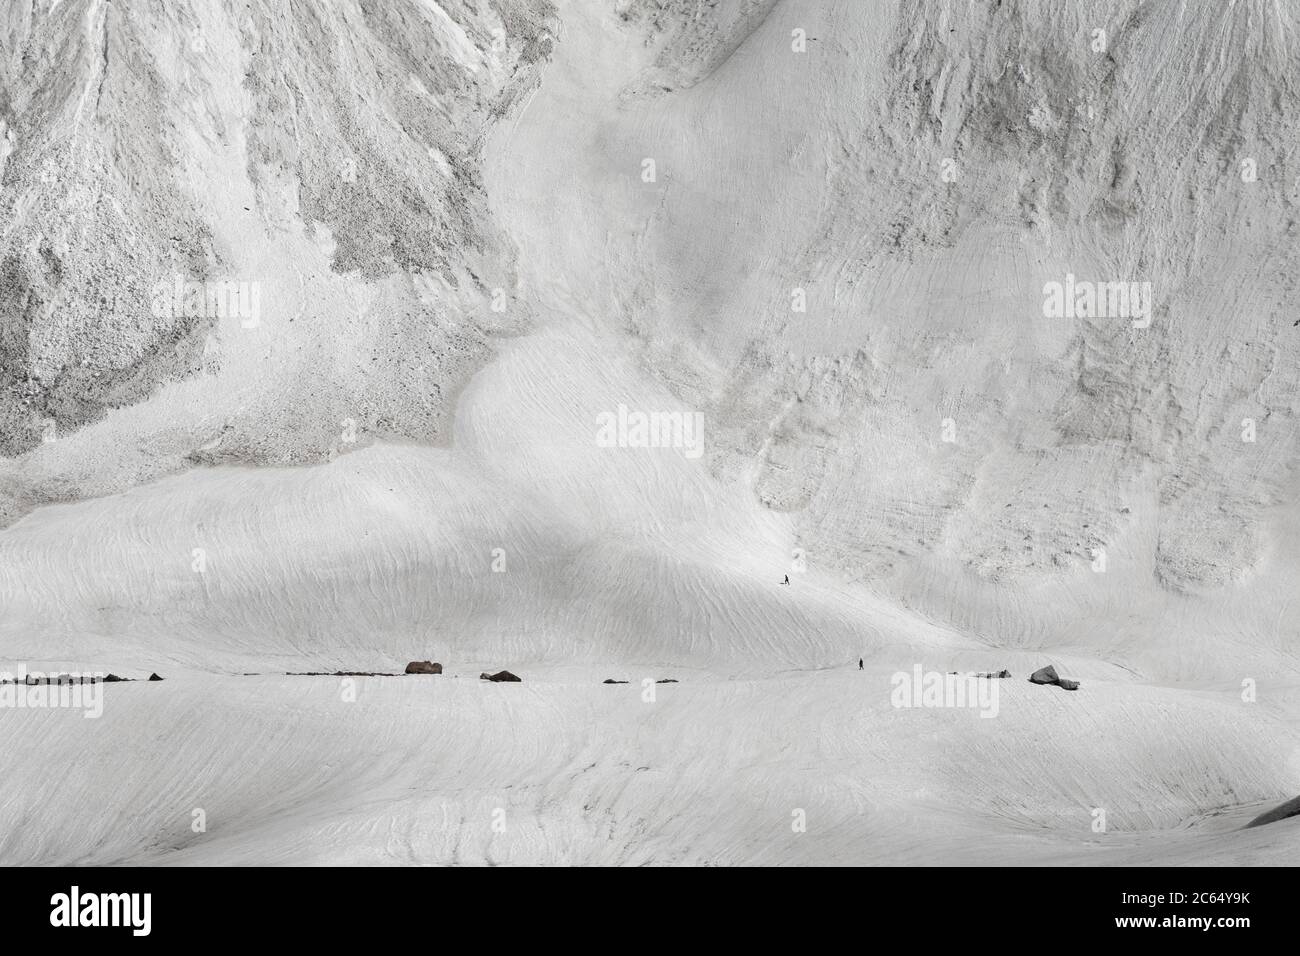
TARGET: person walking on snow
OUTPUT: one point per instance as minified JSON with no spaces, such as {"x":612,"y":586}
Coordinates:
{"x":859,"y":663}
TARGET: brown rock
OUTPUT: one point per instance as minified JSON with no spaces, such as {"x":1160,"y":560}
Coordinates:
{"x":423,"y":667}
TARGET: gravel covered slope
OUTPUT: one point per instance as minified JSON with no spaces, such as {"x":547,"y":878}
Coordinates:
{"x":322,"y":159}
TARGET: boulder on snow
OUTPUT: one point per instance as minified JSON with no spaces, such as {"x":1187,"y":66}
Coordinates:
{"x":500,"y":676}
{"x":610,"y":680}
{"x":1044,"y":675}
{"x":154,"y":677}
{"x":1048,"y":675}
{"x":423,"y":667}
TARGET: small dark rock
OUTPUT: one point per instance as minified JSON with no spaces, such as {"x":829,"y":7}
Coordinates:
{"x":501,"y":676}
{"x":154,"y":677}
{"x":423,"y":667}
{"x":611,"y":680}
{"x":666,"y":680}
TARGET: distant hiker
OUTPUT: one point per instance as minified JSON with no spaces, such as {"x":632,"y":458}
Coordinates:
{"x":859,"y":663}
{"x":787,"y":579}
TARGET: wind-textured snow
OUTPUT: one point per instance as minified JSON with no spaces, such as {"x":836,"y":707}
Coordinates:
{"x":464,"y":264}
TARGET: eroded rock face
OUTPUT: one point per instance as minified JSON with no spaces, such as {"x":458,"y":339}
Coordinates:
{"x":264,"y":234}
{"x":1010,"y":146}
{"x":283,"y":203}
{"x":694,"y":38}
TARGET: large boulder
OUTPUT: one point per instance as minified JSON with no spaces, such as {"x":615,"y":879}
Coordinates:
{"x":500,"y":676}
{"x":1048,"y":675}
{"x":423,"y":667}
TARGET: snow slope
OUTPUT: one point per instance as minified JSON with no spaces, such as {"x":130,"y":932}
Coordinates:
{"x":415,"y":771}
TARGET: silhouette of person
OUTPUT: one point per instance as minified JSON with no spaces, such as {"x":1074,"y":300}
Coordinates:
{"x":859,"y":663}
{"x":787,"y":579}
